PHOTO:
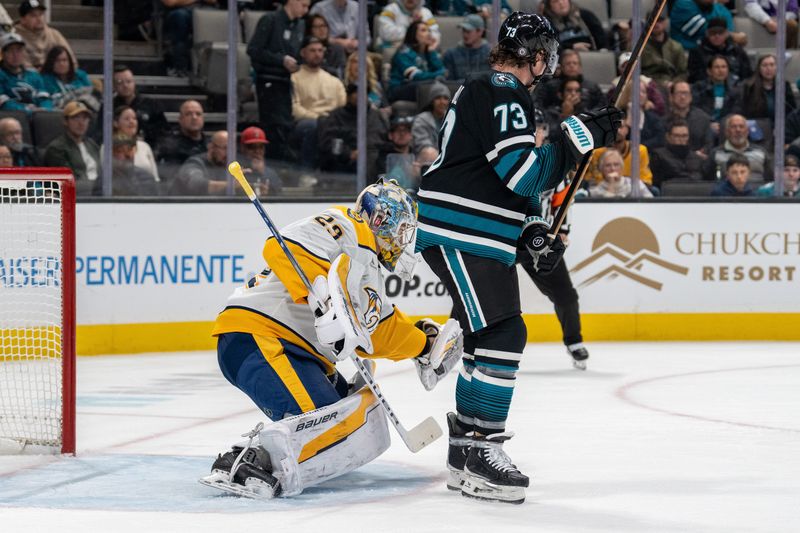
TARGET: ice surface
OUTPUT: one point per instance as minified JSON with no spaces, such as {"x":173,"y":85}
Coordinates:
{"x":668,"y":437}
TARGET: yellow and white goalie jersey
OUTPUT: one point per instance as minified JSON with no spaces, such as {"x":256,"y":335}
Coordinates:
{"x":273,"y":303}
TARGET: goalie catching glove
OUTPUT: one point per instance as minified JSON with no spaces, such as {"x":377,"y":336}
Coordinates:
{"x":545,"y":251}
{"x":592,"y":129}
{"x":443,"y":350}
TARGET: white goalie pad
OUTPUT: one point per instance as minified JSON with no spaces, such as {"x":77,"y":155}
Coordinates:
{"x":328,"y":442}
{"x":344,"y":280}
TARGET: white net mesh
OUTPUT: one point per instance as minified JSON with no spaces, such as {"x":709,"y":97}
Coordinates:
{"x":30,"y":312}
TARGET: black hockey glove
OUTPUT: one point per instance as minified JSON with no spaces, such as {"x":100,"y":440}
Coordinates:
{"x":592,"y":129}
{"x":546,"y":252}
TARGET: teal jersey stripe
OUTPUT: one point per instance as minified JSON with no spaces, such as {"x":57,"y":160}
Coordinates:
{"x":507,"y":161}
{"x":534,"y":180}
{"x":469,"y":299}
{"x":465,"y":220}
{"x":426,"y":240}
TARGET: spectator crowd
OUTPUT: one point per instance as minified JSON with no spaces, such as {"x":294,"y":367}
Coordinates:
{"x":707,"y":106}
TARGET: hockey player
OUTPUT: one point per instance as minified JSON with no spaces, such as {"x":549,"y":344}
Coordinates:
{"x":283,"y":356}
{"x":473,"y":203}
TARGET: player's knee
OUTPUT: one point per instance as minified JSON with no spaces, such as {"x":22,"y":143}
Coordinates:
{"x":509,"y":335}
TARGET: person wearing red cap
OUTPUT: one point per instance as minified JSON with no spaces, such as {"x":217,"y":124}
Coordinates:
{"x":252,"y":149}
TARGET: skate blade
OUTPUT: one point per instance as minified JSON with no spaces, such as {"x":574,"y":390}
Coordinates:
{"x":455,"y":479}
{"x":580,"y":365}
{"x":481,"y":490}
{"x":219,"y":481}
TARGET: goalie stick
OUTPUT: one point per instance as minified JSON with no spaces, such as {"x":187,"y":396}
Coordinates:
{"x":636,"y":54}
{"x":417,"y":437}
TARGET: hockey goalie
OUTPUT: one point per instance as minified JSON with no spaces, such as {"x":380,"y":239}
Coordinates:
{"x":279,"y":344}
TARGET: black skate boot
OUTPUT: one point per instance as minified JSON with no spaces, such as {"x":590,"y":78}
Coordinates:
{"x":579,"y":355}
{"x":456,"y":453}
{"x":489,"y":473}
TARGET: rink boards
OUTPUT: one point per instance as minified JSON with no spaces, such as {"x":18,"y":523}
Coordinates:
{"x":152,"y":277}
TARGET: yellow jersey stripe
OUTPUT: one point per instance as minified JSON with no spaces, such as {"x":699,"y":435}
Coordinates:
{"x":272,"y":350}
{"x":243,"y":320}
{"x":312,"y":265}
{"x":396,"y":338}
{"x":342,"y":430}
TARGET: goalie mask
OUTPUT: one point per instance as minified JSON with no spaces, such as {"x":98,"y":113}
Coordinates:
{"x":525,"y":35}
{"x":392,"y":216}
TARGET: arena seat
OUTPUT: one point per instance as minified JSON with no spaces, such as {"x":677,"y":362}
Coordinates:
{"x":687,"y":188}
{"x":46,"y":125}
{"x":250,"y":21}
{"x":600,"y":67}
{"x":210,"y":48}
{"x":529,"y":6}
{"x":757,"y":35}
{"x":598,"y":7}
{"x":792,"y":69}
{"x":451,"y":33}
{"x":623,"y":9}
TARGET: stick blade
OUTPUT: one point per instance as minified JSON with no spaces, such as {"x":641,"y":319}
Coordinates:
{"x":422,"y":434}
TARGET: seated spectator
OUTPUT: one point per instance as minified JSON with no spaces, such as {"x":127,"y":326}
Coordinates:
{"x":398,"y":150}
{"x":427,"y":124}
{"x":570,"y":67}
{"x":338,"y":147}
{"x":6,"y":23}
{"x":701,"y":137}
{"x":792,"y":129}
{"x":177,"y":28}
{"x":126,"y":123}
{"x":690,"y":18}
{"x":415,"y":62}
{"x":274,"y":51}
{"x":252,"y":158}
{"x":315,"y":93}
{"x":655,"y":97}
{"x":623,"y":146}
{"x":397,"y":17}
{"x":342,"y":19}
{"x":74,"y":150}
{"x":6,"y":158}
{"x":127,"y":178}
{"x":38,"y":35}
{"x":765,"y":13}
{"x":718,"y":42}
{"x":717,"y":94}
{"x":204,"y":174}
{"x":577,"y":28}
{"x":20,"y":88}
{"x":676,"y":160}
{"x":758,"y":92}
{"x":664,"y":59}
{"x":11,"y":136}
{"x":184,"y":142}
{"x":613,"y":183}
{"x":472,"y":52}
{"x":134,"y":20}
{"x":375,"y":91}
{"x":737,"y":174}
{"x":791,"y":179}
{"x":335,"y":54}
{"x":65,"y":83}
{"x":736,"y":142}
{"x":651,"y":127}
{"x":152,"y":121}
{"x":569,"y":95}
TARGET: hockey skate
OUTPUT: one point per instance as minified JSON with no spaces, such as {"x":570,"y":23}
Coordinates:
{"x":579,"y":355}
{"x":244,"y":471}
{"x":456,"y":454}
{"x":489,"y":473}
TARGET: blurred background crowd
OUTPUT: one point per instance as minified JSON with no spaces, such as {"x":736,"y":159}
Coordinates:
{"x":707,"y":92}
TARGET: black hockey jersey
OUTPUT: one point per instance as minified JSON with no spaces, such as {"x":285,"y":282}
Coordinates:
{"x":489,"y":173}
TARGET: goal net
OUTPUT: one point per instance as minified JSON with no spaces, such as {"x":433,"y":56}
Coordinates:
{"x":37,"y":311}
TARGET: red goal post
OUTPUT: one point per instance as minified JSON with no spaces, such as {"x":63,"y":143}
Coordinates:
{"x":37,"y":310}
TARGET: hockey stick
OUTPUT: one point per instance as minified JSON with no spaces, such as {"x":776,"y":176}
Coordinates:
{"x":417,"y":437}
{"x":636,"y":54}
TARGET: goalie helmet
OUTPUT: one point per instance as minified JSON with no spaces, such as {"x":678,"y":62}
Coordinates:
{"x":391,"y":215}
{"x":526,"y":34}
